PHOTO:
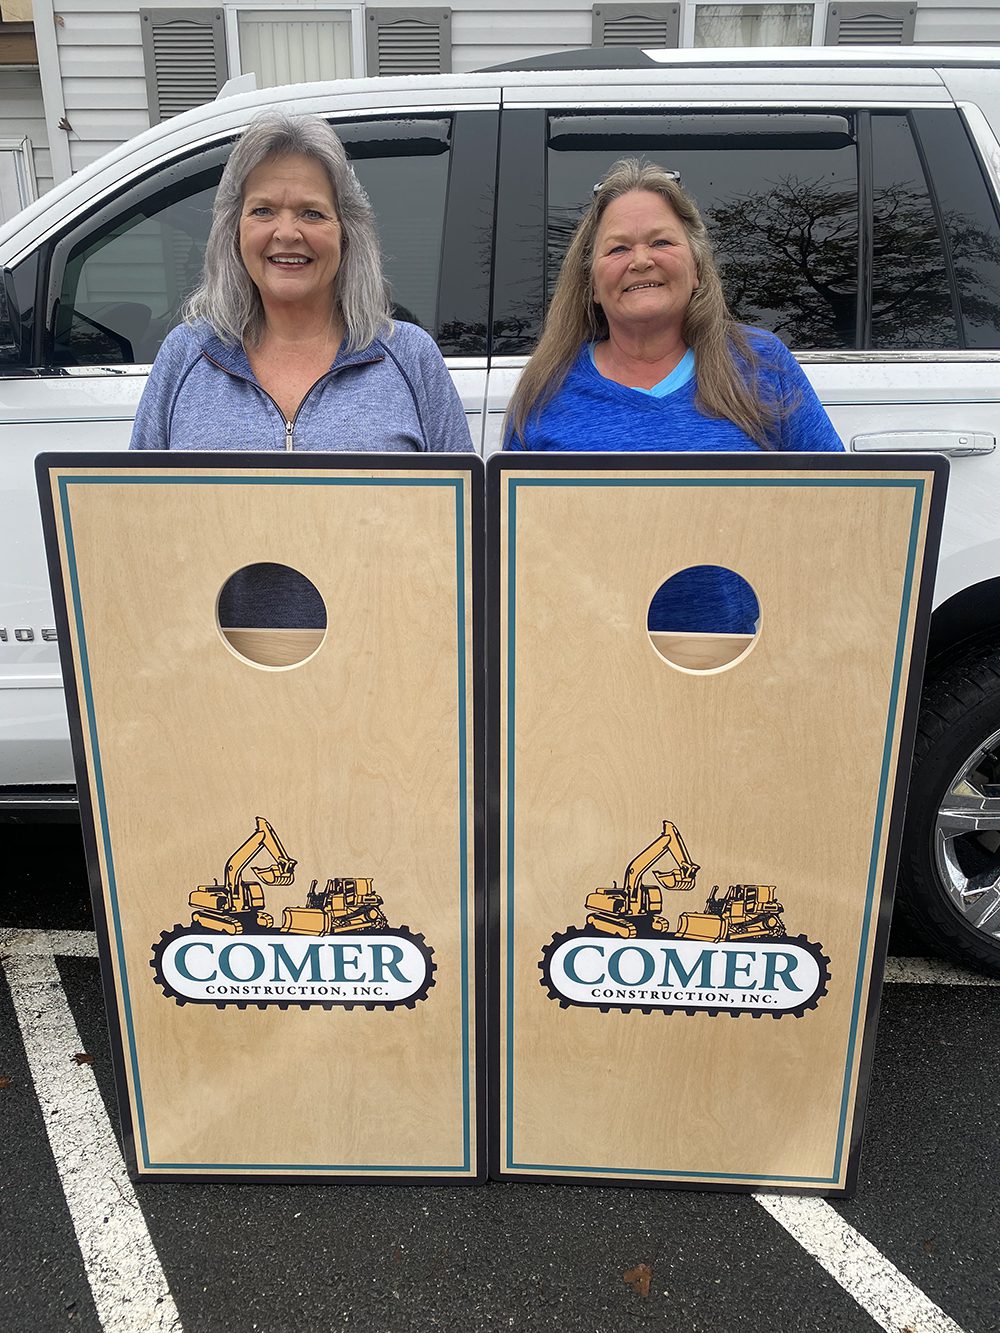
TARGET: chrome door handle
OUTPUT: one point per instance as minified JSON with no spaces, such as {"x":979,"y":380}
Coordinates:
{"x":954,"y":443}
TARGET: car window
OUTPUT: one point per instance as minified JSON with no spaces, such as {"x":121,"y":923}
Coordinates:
{"x":125,"y":276}
{"x":403,"y":166}
{"x":912,"y":299}
{"x":967,"y":214}
{"x":120,"y":279}
{"x":778,"y":193}
{"x":795,"y":213}
{"x":17,"y":302}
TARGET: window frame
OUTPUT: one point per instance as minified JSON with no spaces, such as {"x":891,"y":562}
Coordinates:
{"x":519,"y":271}
{"x":689,"y":10}
{"x":355,"y":8}
{"x":475,"y":133}
{"x":112,"y":203}
{"x":523,"y":213}
{"x":21,"y":151}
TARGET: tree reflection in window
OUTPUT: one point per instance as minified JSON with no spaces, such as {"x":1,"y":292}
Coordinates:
{"x":779,"y":195}
{"x":785,"y":227}
{"x":788,"y":255}
{"x":913,"y":300}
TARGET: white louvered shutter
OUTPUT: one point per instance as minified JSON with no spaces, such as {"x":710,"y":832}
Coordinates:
{"x":861,"y":24}
{"x":636,"y":25}
{"x":409,"y":41}
{"x":184,"y":51}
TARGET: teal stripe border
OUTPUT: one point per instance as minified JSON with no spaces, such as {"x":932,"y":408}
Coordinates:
{"x":514,"y":484}
{"x":89,"y":721}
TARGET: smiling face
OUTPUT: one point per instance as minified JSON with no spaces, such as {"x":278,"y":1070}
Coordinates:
{"x":644,"y":270}
{"x":290,"y":235}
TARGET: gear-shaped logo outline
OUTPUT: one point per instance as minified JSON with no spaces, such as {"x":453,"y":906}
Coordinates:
{"x":179,"y":931}
{"x":626,"y":1007}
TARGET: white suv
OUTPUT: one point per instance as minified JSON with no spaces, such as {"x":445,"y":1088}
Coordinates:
{"x":852,"y":195}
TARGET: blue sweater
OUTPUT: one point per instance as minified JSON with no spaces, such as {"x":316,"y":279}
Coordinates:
{"x":394,"y":395}
{"x":593,"y":413}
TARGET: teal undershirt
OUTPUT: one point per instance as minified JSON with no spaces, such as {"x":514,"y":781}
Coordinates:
{"x":681,"y":373}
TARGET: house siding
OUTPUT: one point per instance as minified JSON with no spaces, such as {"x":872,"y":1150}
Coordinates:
{"x":977,"y":23}
{"x":99,"y":52}
{"x":104,"y":84}
{"x":22,"y":113}
{"x":485,"y":32}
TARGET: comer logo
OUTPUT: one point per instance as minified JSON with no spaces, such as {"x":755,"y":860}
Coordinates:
{"x":375,"y":970}
{"x":735,"y":956}
{"x":777,"y":978}
{"x":336,"y":948}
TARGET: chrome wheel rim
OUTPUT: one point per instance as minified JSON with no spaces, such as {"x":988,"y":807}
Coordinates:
{"x":967,"y":839}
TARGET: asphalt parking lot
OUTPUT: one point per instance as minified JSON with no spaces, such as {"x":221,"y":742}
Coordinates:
{"x":83,"y":1248}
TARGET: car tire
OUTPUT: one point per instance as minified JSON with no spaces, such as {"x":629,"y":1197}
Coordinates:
{"x":949,"y":875}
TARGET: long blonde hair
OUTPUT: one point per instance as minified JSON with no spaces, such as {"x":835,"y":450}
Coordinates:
{"x":727,"y":365}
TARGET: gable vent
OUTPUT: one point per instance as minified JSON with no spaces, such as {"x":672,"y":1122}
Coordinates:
{"x":184,"y":51}
{"x":409,"y":41}
{"x":870,"y":25}
{"x":636,"y":25}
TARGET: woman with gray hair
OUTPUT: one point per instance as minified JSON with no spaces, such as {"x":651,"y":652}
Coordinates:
{"x":288,"y":341}
{"x":639,"y":352}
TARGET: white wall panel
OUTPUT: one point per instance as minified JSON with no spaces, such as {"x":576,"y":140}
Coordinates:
{"x":130,"y":94}
{"x":104,"y":87}
{"x":43,"y":169}
{"x":95,"y":25}
{"x":502,"y":11}
{"x":104,"y":65}
{"x":107,"y":127}
{"x":22,"y":113}
{"x":521,"y":27}
{"x":942,"y":23}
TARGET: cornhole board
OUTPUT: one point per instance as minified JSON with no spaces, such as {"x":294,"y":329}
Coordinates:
{"x":726,"y":1042}
{"x":342,"y":1042}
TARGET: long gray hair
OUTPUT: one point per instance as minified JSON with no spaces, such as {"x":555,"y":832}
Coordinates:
{"x":727,"y":365}
{"x":227,"y":296}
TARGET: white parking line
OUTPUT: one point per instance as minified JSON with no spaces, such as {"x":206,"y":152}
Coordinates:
{"x":864,"y":1272}
{"x":128,"y":1284}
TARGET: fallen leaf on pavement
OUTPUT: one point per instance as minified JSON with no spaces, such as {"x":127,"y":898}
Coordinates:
{"x":639,"y":1278}
{"x":82,"y":1058}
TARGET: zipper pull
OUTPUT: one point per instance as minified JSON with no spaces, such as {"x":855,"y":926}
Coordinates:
{"x":288,"y":435}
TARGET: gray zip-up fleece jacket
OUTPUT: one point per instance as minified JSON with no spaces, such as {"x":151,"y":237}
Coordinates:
{"x":394,"y":395}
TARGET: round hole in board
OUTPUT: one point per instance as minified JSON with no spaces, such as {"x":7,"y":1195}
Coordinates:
{"x":703,"y":618}
{"x":271,"y":615}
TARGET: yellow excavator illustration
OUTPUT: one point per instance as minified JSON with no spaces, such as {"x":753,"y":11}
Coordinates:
{"x":236,"y":906}
{"x":745,"y":911}
{"x":635,"y":908}
{"x":343,"y":905}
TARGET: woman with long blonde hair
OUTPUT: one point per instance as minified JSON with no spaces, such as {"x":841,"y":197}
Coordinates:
{"x":639,"y":350}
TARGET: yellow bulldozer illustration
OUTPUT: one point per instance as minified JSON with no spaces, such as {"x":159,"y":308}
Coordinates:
{"x":343,"y":905}
{"x":744,"y":911}
{"x":237,"y":907}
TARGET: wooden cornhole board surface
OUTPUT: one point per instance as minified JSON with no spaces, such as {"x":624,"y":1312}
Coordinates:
{"x":786,"y":769}
{"x":363,"y":759}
